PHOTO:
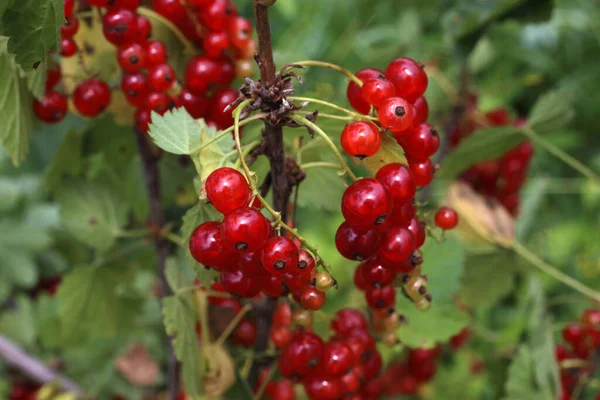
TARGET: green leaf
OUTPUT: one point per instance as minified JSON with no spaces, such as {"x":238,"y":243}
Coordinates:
{"x":36,"y":80}
{"x":212,"y":156}
{"x":92,"y":213}
{"x":389,"y":152}
{"x":176,"y":131}
{"x":196,"y":215}
{"x":19,"y":323}
{"x":444,"y":263}
{"x":322,"y":189}
{"x":240,"y":390}
{"x":90,"y":306}
{"x":48,"y":321}
{"x":15,"y":107}
{"x":33,"y":28}
{"x":484,"y":145}
{"x":178,"y":272}
{"x":551,"y":112}
{"x":180,"y":324}
{"x":488,"y":278}
{"x":67,"y":163}
{"x":520,"y":383}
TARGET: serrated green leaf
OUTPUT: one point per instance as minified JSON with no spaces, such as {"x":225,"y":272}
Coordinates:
{"x":212,"y":156}
{"x":67,"y":163}
{"x":48,"y":321}
{"x":322,"y":189}
{"x":19,"y":323}
{"x":196,"y":215}
{"x":33,"y":29}
{"x":444,"y":263}
{"x":487,"y":278}
{"x":551,"y":112}
{"x":15,"y":107}
{"x":92,"y":213}
{"x":179,"y":273}
{"x":36,"y":80}
{"x":520,"y":384}
{"x":389,"y":152}
{"x":180,"y":323}
{"x":90,"y":306}
{"x":485,"y":144}
{"x":176,"y":131}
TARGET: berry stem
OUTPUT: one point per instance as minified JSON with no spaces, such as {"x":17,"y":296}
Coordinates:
{"x":146,"y":12}
{"x":224,"y":133}
{"x":555,"y":273}
{"x":303,"y":121}
{"x":232,"y":324}
{"x":320,"y":164}
{"x":335,"y":67}
{"x":355,"y":115}
{"x":330,"y":116}
{"x":265,"y":382}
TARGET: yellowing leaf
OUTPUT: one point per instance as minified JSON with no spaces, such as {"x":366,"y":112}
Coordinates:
{"x":211,"y":156}
{"x":389,"y":152}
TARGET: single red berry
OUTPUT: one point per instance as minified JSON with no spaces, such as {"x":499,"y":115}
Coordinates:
{"x":207,"y":247}
{"x":240,"y":283}
{"x":216,"y":15}
{"x":376,"y":274}
{"x":215,"y":44}
{"x":53,"y":76}
{"x":361,"y":343}
{"x":279,"y":390}
{"x":422,"y":171}
{"x":282,"y":314}
{"x":360,"y":139}
{"x":312,"y":299}
{"x":158,"y":101}
{"x":446,"y":218}
{"x":115,"y":5}
{"x":350,"y":383}
{"x":202,"y":74}
{"x":143,"y":29}
{"x":396,"y":246}
{"x":172,"y":10}
{"x":295,"y":282}
{"x":135,"y":87}
{"x":70,"y":28}
{"x":322,"y":388}
{"x":373,"y":364}
{"x":560,"y":353}
{"x":306,"y":262}
{"x":347,"y":320}
{"x":226,"y":72}
{"x":421,"y":110}
{"x":240,"y":32}
{"x":417,"y":228}
{"x":119,"y":27}
{"x":156,"y":53}
{"x":402,"y":214}
{"x":281,"y":335}
{"x":91,"y":97}
{"x":227,"y":190}
{"x":142,"y":118}
{"x":354,"y":91}
{"x":425,"y":371}
{"x":244,"y":333}
{"x":131,"y":57}
{"x":245,"y":229}
{"x":376,"y":90}
{"x":573,"y":333}
{"x":382,"y":297}
{"x":356,"y":244}
{"x":358,"y":279}
{"x":421,"y":143}
{"x":366,"y":203}
{"x":591,"y":318}
{"x":373,"y":389}
{"x":397,"y":115}
{"x":161,"y":77}
{"x":421,"y":355}
{"x":195,"y":105}
{"x":52,"y":108}
{"x":68,"y":48}
{"x":218,"y":104}
{"x":338,"y":358}
{"x":400,"y":182}
{"x":302,"y":355}
{"x":69,"y":6}
{"x":408,"y":77}
{"x":278,"y":254}
{"x":273,"y":286}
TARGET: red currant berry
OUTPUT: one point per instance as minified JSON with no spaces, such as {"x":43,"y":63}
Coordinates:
{"x":398,"y":179}
{"x":53,"y":76}
{"x":358,"y":279}
{"x":396,"y":246}
{"x":322,"y":388}
{"x":421,"y":143}
{"x":227,"y":190}
{"x":245,"y":333}
{"x":376,"y":274}
{"x":217,"y":14}
{"x":366,"y":203}
{"x":218,"y":103}
{"x":195,"y":105}
{"x":302,"y":355}
{"x":172,"y":10}
{"x":69,"y":6}
{"x":215,"y":44}
{"x":306,"y":262}
{"x":281,"y":335}
{"x":397,"y":115}
{"x":226,"y":73}
{"x":142,"y":118}
{"x":115,"y":5}
{"x":573,"y":333}
{"x":408,"y":77}
{"x":135,"y":88}
{"x":312,"y":299}
{"x":202,"y":74}
{"x":422,"y":171}
{"x":376,"y":90}
{"x":156,"y":53}
{"x":161,"y":77}
{"x":373,"y":363}
{"x":446,"y":218}
{"x":240,"y":32}
{"x":338,"y":358}
{"x":457,"y":341}
{"x":239,"y":283}
{"x":591,"y":318}
{"x":356,"y":244}
{"x":52,"y":108}
{"x":373,"y":389}
{"x":402,"y":214}
{"x":350,"y":383}
{"x":131,"y":57}
{"x":383,"y":297}
{"x":360,"y":139}
{"x":158,"y":102}
{"x":273,"y":286}
{"x":91,"y":97}
{"x":417,"y":228}
{"x":143,"y":29}
{"x":245,"y":229}
{"x":361,"y":343}
{"x":280,"y":253}
{"x":282,"y":314}
{"x":347,"y":320}
{"x":279,"y":390}
{"x":70,"y":28}
{"x":354,"y":91}
{"x":207,"y":247}
{"x":119,"y":27}
{"x":421,"y":110}
{"x":296,"y":282}
{"x":68,"y":48}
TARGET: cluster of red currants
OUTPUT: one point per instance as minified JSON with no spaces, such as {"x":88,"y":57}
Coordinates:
{"x":381,"y":227}
{"x":583,"y":347}
{"x":245,"y":250}
{"x":149,"y":82}
{"x":502,"y":178}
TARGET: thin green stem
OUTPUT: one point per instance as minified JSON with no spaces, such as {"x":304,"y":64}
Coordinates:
{"x":170,"y":236}
{"x":574,"y":363}
{"x":320,"y":164}
{"x":202,"y":308}
{"x":555,"y":273}
{"x":232,"y":324}
{"x":247,"y":149}
{"x":355,"y":115}
{"x":335,"y":67}
{"x":224,"y":133}
{"x":558,"y":153}
{"x":330,"y":116}
{"x":303,"y":121}
{"x":263,"y":385}
{"x":146,"y":12}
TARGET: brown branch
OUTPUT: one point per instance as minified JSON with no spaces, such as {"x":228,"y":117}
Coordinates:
{"x":162,"y":247}
{"x":34,"y":369}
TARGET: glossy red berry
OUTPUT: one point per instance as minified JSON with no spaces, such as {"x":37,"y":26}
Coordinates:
{"x":244,"y":333}
{"x":361,"y":343}
{"x":396,"y":246}
{"x":281,"y":335}
{"x":280,"y":254}
{"x":302,"y":355}
{"x":399,"y":180}
{"x":119,"y":27}
{"x":218,"y":104}
{"x":338,"y":358}
{"x":172,"y":10}
{"x":358,"y":279}
{"x":360,"y":139}
{"x":216,"y":15}
{"x":282,"y":314}
{"x":240,"y":32}
{"x":421,"y":143}
{"x":446,"y":218}
{"x":401,"y":215}
{"x":202,"y":74}
{"x":68,"y":48}
{"x":376,"y":90}
{"x":141,"y":119}
{"x":240,"y":283}
{"x":306,"y":261}
{"x":417,"y":228}
{"x":52,"y":108}
{"x":377,"y":274}
{"x":366,"y":204}
{"x":312,"y":299}
{"x":135,"y":88}
{"x":215,"y":44}
{"x":347,"y":320}
{"x":322,"y":388}
{"x":383,"y":297}
{"x":573,"y":333}
{"x":354,"y":91}
{"x":273,"y":286}
{"x":69,"y":6}
{"x":356,"y":244}
{"x":207,"y":247}
{"x":397,"y":115}
{"x":143,"y":29}
{"x":195,"y":105}
{"x":280,"y":390}
{"x":53,"y":76}
{"x":421,"y":110}
{"x":408,"y":77}
{"x":114,"y":5}
{"x":373,"y":364}
{"x":350,"y":383}
{"x":158,"y":102}
{"x":70,"y":28}
{"x":131,"y":57}
{"x":156,"y":53}
{"x":295,"y":282}
{"x":245,"y":229}
{"x":161,"y":77}
{"x":227,"y":190}
{"x":422,"y":171}
{"x":91,"y":97}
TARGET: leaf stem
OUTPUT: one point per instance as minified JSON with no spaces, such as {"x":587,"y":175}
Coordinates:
{"x":303,"y":121}
{"x":355,"y":115}
{"x":146,"y":12}
{"x":320,"y":164}
{"x":335,"y":67}
{"x":224,"y":133}
{"x":330,"y":116}
{"x":232,"y":324}
{"x":263,"y":385}
{"x":555,"y":273}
